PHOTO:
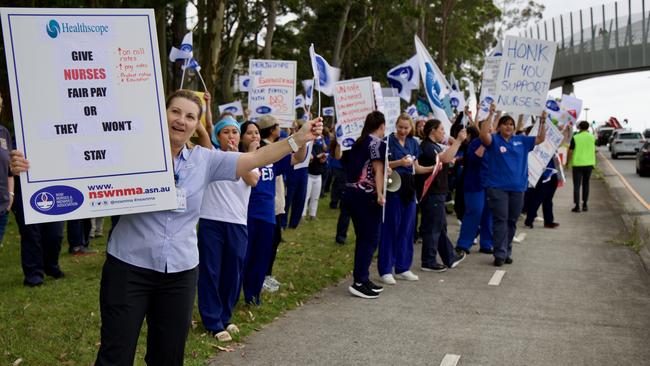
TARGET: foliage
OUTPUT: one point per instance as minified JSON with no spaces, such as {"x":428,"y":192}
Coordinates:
{"x":58,"y":323}
{"x":364,"y":37}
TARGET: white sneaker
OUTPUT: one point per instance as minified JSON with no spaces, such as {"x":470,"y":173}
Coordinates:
{"x":269,"y":287}
{"x":407,"y":276}
{"x":273,"y":281}
{"x":519,"y":238}
{"x":388,"y":279}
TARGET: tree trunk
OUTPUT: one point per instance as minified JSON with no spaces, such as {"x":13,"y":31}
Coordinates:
{"x":447,"y":6}
{"x":233,"y":54}
{"x":216,"y":10}
{"x":161,"y":31}
{"x":179,"y":29}
{"x":338,"y":46}
{"x":272,"y":11}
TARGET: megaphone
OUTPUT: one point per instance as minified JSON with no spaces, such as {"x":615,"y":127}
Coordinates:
{"x":394,"y":182}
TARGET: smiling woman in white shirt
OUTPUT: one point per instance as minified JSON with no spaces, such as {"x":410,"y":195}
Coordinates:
{"x":151,"y":265}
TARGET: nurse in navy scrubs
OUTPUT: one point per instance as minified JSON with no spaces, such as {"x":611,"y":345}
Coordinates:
{"x":507,"y":178}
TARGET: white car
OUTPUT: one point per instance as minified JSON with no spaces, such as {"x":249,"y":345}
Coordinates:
{"x":626,"y":143}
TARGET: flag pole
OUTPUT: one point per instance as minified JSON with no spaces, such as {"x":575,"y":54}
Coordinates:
{"x":183,"y":76}
{"x":205,"y":88}
{"x":316,"y":81}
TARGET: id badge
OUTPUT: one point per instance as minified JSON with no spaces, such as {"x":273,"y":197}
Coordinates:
{"x":181,"y":200}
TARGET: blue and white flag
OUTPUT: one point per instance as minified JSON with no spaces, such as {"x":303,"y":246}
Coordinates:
{"x":234,"y":108}
{"x":185,"y":51}
{"x":323,"y":72}
{"x":404,"y":77}
{"x":300,"y":101}
{"x":412,"y":111}
{"x":244,"y":83}
{"x":453,"y":82}
{"x":328,"y":111}
{"x":192,"y":64}
{"x":471,"y":95}
{"x":308,"y":85}
{"x":435,"y":84}
{"x":457,"y":100}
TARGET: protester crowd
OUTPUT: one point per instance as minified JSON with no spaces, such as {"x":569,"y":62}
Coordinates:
{"x":245,"y":182}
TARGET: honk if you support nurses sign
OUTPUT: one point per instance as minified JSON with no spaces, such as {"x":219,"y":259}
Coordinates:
{"x":89,"y":113}
{"x":524,"y":75}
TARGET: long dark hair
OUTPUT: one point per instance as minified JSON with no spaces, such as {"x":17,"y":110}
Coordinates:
{"x":244,"y":127}
{"x":374,"y":120}
{"x":431,"y":125}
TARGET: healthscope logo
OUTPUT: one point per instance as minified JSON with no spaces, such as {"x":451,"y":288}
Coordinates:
{"x":54,"y":28}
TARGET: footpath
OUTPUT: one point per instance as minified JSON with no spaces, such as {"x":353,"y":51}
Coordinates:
{"x":574,"y":295}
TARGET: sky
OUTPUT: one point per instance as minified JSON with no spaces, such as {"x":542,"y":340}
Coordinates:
{"x":622,"y":96}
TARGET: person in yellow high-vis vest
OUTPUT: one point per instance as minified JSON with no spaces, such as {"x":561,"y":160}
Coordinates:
{"x":582,"y":157}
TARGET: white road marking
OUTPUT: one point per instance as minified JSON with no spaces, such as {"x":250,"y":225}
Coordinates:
{"x":496,"y":277}
{"x":450,"y":360}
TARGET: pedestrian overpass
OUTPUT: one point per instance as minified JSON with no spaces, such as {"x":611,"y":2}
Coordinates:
{"x":597,"y":41}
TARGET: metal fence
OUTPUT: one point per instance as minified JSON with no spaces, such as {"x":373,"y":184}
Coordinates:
{"x":604,"y":39}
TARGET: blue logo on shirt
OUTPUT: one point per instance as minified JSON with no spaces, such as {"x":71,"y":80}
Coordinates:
{"x":56,"y":200}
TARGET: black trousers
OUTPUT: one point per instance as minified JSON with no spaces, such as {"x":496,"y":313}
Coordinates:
{"x":40,"y":244}
{"x":581,"y":175}
{"x":129,"y":294}
{"x":541,"y":195}
{"x":79,"y":233}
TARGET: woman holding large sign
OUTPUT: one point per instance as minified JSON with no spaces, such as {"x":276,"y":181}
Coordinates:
{"x":151,"y":265}
{"x":507,"y":178}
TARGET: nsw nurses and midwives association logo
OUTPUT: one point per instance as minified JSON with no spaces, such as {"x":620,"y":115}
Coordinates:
{"x":53,"y":28}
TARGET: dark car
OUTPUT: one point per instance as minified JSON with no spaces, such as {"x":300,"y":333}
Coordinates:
{"x":604,"y":134}
{"x":646,"y":133}
{"x":643,"y":160}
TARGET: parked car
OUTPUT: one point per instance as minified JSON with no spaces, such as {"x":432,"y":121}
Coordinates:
{"x":603,"y":135}
{"x":626,"y":143}
{"x":613,"y":136}
{"x":646,"y":133}
{"x":643,"y":160}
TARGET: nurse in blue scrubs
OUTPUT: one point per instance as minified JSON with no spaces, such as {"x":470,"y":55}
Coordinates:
{"x":507,"y":178}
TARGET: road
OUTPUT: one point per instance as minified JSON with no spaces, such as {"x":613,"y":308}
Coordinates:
{"x":625,"y":165}
{"x":574,"y":296}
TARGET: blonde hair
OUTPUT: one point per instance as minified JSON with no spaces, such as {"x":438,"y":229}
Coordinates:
{"x":406,"y":117}
{"x":189,"y":95}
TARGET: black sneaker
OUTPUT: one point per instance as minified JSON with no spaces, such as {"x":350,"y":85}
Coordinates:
{"x":363,"y":291}
{"x":486,"y":251}
{"x":434,"y":268}
{"x":576,"y":209}
{"x":55,"y":274}
{"x":584,"y":207}
{"x":498,"y":262}
{"x":461,"y":250}
{"x":373,"y":286}
{"x":459,"y":258}
{"x":508,"y":260}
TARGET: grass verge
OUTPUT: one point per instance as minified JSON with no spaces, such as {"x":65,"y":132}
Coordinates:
{"x":58,"y":323}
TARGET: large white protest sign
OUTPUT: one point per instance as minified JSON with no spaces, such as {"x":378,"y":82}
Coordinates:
{"x":488,"y":85}
{"x":353,"y":101}
{"x":543,"y":153}
{"x":273,"y":90}
{"x":392,"y":110}
{"x":89,"y":112}
{"x":524,"y":75}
